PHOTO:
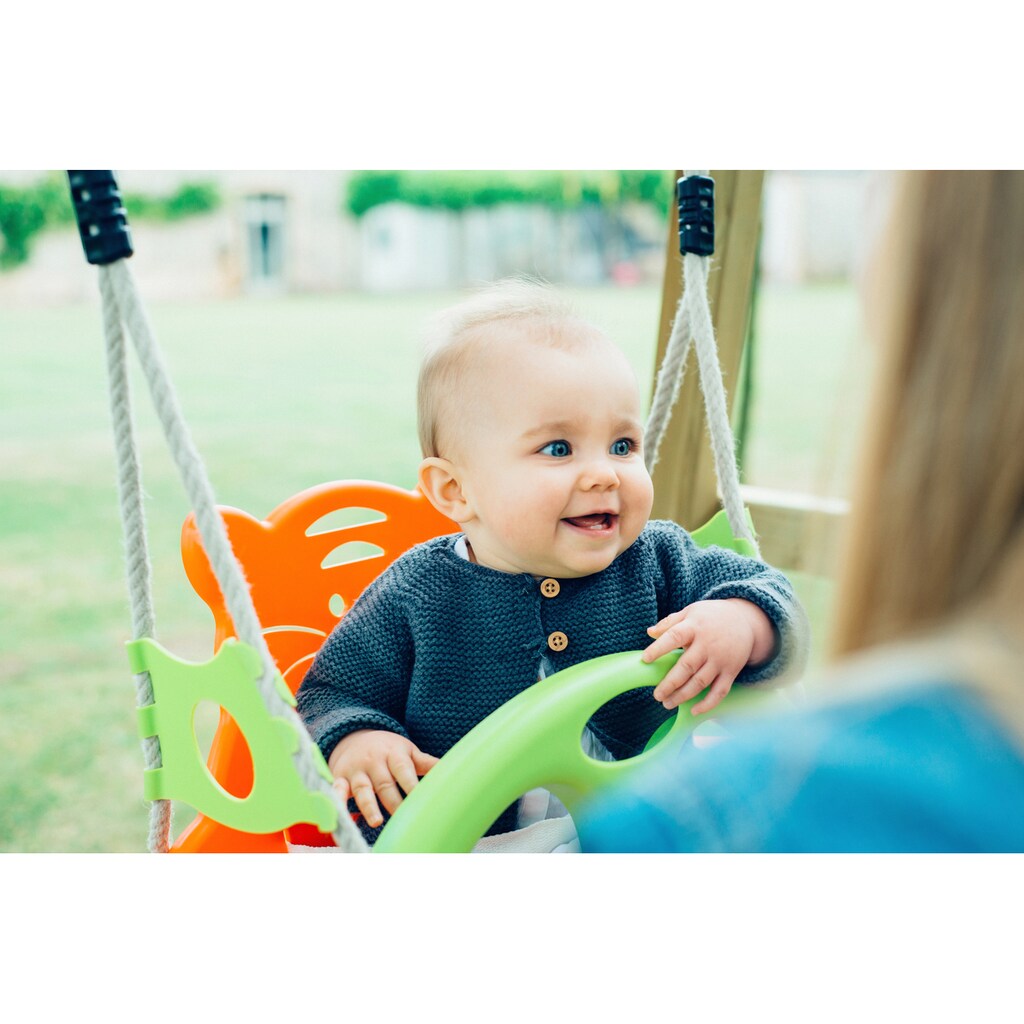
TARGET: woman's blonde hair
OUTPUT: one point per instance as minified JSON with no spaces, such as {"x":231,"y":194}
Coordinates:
{"x":937,"y":523}
{"x":454,"y":334}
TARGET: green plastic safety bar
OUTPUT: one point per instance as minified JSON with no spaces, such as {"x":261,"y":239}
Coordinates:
{"x":533,"y":740}
{"x":278,"y":799}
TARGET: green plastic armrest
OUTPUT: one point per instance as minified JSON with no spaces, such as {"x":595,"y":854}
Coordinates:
{"x":278,"y":798}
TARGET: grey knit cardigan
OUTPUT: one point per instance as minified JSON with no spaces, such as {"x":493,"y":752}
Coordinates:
{"x":436,"y":643}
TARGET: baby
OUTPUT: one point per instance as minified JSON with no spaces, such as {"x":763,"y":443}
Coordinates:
{"x":529,"y":421}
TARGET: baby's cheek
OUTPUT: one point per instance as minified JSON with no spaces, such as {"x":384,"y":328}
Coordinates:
{"x":644,"y":493}
{"x":525,"y":538}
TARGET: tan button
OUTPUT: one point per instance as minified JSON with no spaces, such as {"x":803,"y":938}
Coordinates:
{"x":550,"y":588}
{"x":558,"y":641}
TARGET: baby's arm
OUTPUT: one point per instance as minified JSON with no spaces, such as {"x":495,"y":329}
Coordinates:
{"x":373,"y":764}
{"x":737,"y":617}
{"x":720,"y":638}
{"x":353,"y":699}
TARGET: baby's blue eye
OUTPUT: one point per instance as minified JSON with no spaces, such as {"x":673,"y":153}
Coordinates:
{"x":559,"y":449}
{"x":621,"y":447}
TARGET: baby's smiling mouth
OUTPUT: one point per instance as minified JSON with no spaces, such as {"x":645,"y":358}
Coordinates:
{"x":595,"y":521}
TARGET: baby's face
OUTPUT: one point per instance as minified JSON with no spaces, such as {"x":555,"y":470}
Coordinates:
{"x":551,"y":458}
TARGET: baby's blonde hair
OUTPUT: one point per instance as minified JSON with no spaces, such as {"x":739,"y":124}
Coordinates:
{"x":455,"y":334}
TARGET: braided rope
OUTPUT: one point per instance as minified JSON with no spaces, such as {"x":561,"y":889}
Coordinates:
{"x":693,"y":320}
{"x":670,"y":380}
{"x":133,"y":522}
{"x":227,"y":571}
{"x":723,"y":443}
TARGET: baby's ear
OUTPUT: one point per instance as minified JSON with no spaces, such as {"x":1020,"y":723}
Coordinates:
{"x":439,"y":481}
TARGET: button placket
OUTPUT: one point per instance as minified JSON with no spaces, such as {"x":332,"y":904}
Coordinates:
{"x":557,"y":641}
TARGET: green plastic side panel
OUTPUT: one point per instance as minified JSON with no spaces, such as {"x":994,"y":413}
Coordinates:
{"x":278,"y":798}
{"x":717,"y":532}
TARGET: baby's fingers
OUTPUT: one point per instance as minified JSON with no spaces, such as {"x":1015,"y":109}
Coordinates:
{"x":342,"y":786}
{"x":672,"y":680}
{"x":423,"y":762}
{"x":669,"y":620}
{"x":715,"y":695}
{"x":687,"y":677}
{"x":362,"y":793}
{"x":386,"y":788}
{"x":404,"y":771}
{"x":680,"y":634}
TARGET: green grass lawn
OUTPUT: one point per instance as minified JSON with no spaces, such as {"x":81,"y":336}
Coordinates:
{"x":280,"y":394}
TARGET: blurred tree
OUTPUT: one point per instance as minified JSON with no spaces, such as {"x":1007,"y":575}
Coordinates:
{"x":457,"y":190}
{"x":27,"y":210}
{"x":20,"y":219}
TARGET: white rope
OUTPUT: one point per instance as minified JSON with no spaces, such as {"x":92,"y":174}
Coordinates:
{"x":670,"y":380}
{"x":693,"y":320}
{"x":227,"y":571}
{"x":723,"y":443}
{"x":133,"y":521}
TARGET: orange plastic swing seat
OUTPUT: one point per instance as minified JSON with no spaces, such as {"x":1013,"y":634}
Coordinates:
{"x":306,"y":563}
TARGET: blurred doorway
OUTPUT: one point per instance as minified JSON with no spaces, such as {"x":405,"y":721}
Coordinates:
{"x":264,"y":227}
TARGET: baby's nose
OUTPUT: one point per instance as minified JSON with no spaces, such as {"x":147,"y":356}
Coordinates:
{"x":600,"y":473}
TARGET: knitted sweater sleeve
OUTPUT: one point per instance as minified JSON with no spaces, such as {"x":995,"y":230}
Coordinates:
{"x":691,"y":573}
{"x":681,"y":573}
{"x":360,"y":677}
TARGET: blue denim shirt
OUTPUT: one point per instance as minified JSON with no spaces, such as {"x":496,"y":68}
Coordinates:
{"x":926,"y":768}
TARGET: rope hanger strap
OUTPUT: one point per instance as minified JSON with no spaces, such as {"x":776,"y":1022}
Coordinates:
{"x":693,"y":326}
{"x":107,"y":242}
{"x":137,"y":562}
{"x":226,"y":568}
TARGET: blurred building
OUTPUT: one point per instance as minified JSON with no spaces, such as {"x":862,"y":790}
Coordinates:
{"x":288,"y":232}
{"x":813,"y":225}
{"x":404,"y":247}
{"x":275,"y":231}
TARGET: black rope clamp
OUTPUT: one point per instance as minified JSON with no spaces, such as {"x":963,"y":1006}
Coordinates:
{"x":101,"y":216}
{"x":696,"y":197}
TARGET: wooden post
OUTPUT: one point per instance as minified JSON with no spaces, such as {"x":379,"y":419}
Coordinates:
{"x":684,"y":479}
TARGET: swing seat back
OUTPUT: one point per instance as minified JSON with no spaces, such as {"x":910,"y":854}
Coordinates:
{"x":306,"y":564}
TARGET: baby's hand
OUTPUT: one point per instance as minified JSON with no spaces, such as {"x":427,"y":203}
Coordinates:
{"x":373,"y":763}
{"x":720,"y":638}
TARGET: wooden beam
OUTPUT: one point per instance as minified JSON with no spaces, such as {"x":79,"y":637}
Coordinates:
{"x":684,"y":479}
{"x":797,"y":532}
